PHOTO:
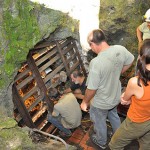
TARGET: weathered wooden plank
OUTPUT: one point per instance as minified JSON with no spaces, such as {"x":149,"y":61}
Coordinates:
{"x":45,"y":59}
{"x":43,"y":44}
{"x":24,"y":82}
{"x":43,"y":124}
{"x":69,"y":48}
{"x":54,"y":84}
{"x":39,"y":99}
{"x":18,"y":118}
{"x":79,"y":57}
{"x":36,"y":54}
{"x":21,"y":75}
{"x":62,"y":57}
{"x":65,"y":43}
{"x":32,"y":91}
{"x":74,"y":67}
{"x":49,"y":76}
{"x":46,"y":65}
{"x":39,"y":113}
{"x":71,"y":58}
{"x":50,"y":128}
{"x":47,"y":56}
{"x":41,"y":121}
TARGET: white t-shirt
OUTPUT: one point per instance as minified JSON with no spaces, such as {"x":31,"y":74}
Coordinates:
{"x":104,"y":75}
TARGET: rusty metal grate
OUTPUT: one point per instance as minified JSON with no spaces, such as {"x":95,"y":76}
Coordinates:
{"x":35,"y":77}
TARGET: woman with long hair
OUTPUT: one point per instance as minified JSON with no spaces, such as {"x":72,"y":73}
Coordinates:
{"x":137,"y":94}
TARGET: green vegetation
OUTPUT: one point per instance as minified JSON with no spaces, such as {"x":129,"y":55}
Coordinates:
{"x":13,"y":137}
{"x":120,"y":19}
{"x":21,"y":30}
{"x":123,"y":16}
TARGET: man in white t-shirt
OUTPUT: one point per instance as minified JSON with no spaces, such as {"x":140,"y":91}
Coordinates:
{"x":103,"y":84}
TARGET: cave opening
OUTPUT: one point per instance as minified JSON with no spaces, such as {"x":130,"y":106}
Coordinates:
{"x":48,"y":65}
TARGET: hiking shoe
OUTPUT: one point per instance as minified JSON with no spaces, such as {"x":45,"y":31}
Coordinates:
{"x":94,"y":140}
{"x":62,"y":134}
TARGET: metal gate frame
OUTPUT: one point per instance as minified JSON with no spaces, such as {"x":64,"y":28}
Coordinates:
{"x":50,"y":52}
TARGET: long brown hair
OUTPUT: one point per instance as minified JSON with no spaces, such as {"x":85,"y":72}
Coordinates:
{"x":143,"y":73}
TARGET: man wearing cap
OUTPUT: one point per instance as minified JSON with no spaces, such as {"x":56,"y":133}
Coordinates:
{"x":143,"y":30}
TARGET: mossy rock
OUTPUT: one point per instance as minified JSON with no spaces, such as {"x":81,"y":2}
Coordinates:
{"x":23,"y":25}
{"x":7,"y":123}
{"x":13,"y":137}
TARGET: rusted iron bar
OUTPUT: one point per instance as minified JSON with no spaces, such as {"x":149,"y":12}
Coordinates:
{"x":21,"y":108}
{"x":39,"y":80}
{"x":38,"y":60}
{"x":62,"y":57}
{"x":79,"y":57}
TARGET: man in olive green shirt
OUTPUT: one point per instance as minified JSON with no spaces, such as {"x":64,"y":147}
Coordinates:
{"x":66,"y":114}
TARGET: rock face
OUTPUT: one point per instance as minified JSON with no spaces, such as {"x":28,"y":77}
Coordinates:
{"x":120,"y":19}
{"x":13,"y":137}
{"x":23,"y":24}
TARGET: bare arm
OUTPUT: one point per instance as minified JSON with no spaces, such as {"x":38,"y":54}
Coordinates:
{"x":129,"y":92}
{"x":79,"y":95}
{"x":67,"y":91}
{"x":89,"y":94}
{"x":140,"y":39}
{"x":139,"y":35}
{"x":125,"y":68}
